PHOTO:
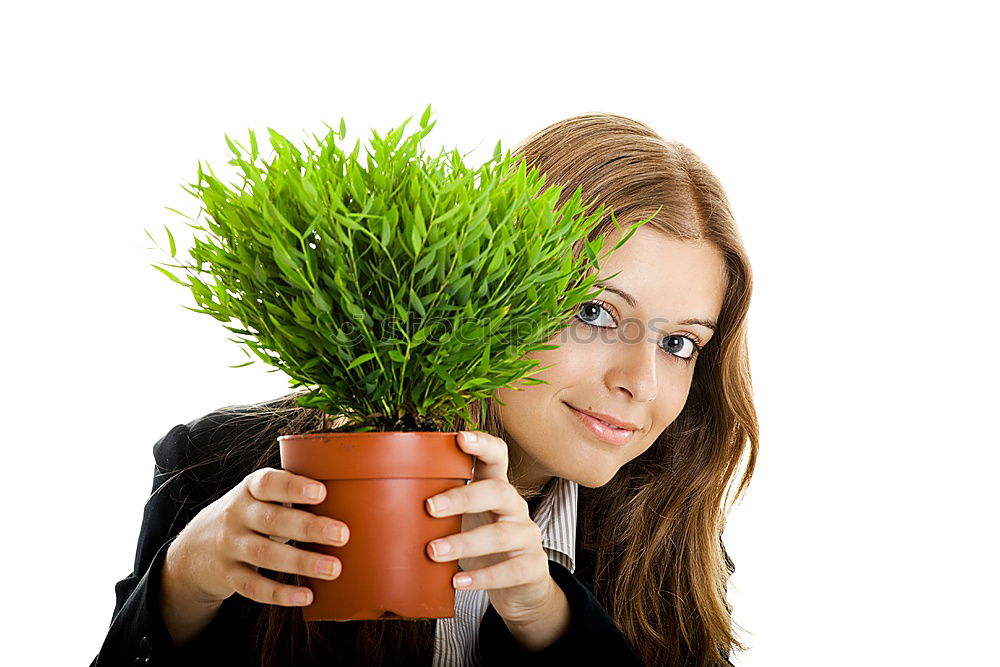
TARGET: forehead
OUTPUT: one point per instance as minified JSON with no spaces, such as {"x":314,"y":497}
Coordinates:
{"x":669,"y":278}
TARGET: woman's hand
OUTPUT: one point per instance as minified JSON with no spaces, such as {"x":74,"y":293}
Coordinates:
{"x":500,"y":547}
{"x":218,"y":552}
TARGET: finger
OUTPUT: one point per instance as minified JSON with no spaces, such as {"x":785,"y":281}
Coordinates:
{"x":511,"y":572}
{"x":259,"y":551}
{"x":281,"y":540}
{"x":508,"y":537}
{"x":486,"y":495}
{"x":259,"y":588}
{"x":281,"y":486}
{"x":280,"y":522}
{"x":490,"y":452}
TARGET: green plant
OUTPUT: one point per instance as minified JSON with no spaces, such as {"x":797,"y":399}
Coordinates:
{"x":401,"y":291}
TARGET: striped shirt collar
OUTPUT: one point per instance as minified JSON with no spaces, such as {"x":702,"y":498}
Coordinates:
{"x":556,"y":516}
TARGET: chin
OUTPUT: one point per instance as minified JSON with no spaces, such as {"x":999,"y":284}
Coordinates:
{"x":592,"y":481}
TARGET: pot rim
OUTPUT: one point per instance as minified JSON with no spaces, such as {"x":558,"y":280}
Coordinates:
{"x":354,"y":435}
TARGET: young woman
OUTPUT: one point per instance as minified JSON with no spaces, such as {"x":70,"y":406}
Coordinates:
{"x":592,"y":531}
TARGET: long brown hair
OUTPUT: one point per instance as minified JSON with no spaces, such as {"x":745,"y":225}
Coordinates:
{"x":655,"y":529}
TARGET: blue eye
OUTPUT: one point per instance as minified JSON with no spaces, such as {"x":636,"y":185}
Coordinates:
{"x":592,"y":306}
{"x":590,"y":311}
{"x":675,"y":341}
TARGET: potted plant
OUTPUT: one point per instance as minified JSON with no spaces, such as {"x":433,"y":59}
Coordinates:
{"x":403,"y":292}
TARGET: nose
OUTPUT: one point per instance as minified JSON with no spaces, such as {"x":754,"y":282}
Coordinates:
{"x":635,"y":365}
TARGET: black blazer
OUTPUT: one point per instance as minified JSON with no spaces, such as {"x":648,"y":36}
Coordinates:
{"x":137,"y":634}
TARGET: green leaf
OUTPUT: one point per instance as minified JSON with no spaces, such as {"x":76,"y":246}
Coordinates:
{"x":354,"y":310}
{"x":173,"y":246}
{"x":183,"y":215}
{"x":415,"y":240}
{"x":170,"y":275}
{"x":403,"y":315}
{"x":424,"y":262}
{"x":320,"y":300}
{"x":310,"y":190}
{"x":362,"y":359}
{"x":390,"y":221}
{"x":271,"y":214}
{"x":472,"y":332}
{"x":291,"y":267}
{"x":462,"y":288}
{"x":418,"y":219}
{"x":356,"y":183}
{"x":396,"y":356}
{"x":416,"y":304}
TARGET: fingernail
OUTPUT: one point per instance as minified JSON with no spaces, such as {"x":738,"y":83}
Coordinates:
{"x":440,"y":547}
{"x":470,"y":436}
{"x":462,"y":580}
{"x":314,"y":491}
{"x":438,"y":504}
{"x":325,"y":566}
{"x":334,"y":533}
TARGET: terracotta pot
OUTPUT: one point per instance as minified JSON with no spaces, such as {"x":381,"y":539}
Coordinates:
{"x":377,"y":483}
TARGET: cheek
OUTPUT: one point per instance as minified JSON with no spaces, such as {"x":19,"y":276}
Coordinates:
{"x":669,"y":405}
{"x":525,"y":408}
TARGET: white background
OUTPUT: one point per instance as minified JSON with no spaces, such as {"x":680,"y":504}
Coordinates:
{"x":858,"y":144}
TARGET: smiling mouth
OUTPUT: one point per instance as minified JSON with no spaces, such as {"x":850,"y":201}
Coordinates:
{"x":612,"y":426}
{"x":613,"y":435}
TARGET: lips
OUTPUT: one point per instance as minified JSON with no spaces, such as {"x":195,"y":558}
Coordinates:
{"x":601,"y":429}
{"x":619,"y":428}
{"x":613,"y":422}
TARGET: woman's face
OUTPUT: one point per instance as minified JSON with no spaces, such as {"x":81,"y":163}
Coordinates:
{"x":618,"y":359}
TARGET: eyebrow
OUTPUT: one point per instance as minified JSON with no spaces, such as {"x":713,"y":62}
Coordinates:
{"x":630,"y":300}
